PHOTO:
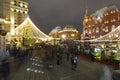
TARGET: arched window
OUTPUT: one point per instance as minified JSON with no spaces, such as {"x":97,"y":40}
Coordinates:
{"x":97,"y":29}
{"x":113,"y":27}
{"x":86,"y":31}
{"x":89,"y":31}
{"x":93,"y":30}
{"x":106,"y":29}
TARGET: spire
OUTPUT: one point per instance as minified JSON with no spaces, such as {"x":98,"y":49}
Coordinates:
{"x":86,"y":9}
{"x":86,"y":16}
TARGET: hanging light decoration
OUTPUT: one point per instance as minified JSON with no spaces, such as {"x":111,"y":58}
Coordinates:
{"x":37,"y":33}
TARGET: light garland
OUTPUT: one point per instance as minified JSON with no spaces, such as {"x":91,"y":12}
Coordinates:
{"x":36,"y":32}
{"x":111,"y":36}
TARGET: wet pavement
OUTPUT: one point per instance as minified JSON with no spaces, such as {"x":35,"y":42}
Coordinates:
{"x":34,"y":69}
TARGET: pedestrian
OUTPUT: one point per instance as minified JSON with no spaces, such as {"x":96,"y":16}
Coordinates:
{"x":75,"y":61}
{"x":58,"y":58}
{"x":67,"y":56}
{"x":92,"y":56}
{"x":5,"y":69}
{"x":7,"y":54}
{"x":61,"y":58}
{"x":67,"y":53}
{"x":15,"y":52}
{"x":72,"y":61}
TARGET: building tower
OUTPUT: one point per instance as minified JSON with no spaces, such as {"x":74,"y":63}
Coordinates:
{"x":86,"y":18}
{"x":13,"y":11}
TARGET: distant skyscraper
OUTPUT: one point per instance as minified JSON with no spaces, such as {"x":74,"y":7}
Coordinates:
{"x":14,"y":12}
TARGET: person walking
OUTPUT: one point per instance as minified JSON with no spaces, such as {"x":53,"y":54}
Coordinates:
{"x":5,"y":64}
{"x":58,"y":58}
{"x":75,"y":61}
{"x":72,"y":62}
{"x":5,"y":69}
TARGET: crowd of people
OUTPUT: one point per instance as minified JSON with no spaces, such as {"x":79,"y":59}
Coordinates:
{"x":16,"y":55}
{"x":58,"y":54}
{"x":52,"y":54}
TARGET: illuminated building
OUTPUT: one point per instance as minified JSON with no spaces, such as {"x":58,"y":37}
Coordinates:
{"x":101,"y":22}
{"x":13,"y":11}
{"x":54,"y":32}
{"x":66,"y":33}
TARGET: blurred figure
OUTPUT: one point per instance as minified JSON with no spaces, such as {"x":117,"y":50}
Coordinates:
{"x":107,"y":74}
{"x":5,"y":65}
{"x":72,"y":61}
{"x":67,"y":53}
{"x":75,"y":61}
{"x":7,"y":52}
{"x":58,"y":58}
{"x":5,"y":69}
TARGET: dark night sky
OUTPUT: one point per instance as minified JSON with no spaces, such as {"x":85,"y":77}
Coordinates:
{"x":47,"y":14}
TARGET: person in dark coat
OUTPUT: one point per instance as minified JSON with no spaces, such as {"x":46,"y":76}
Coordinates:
{"x":58,"y":58}
{"x":75,"y":61}
{"x":5,"y":69}
{"x":72,"y":61}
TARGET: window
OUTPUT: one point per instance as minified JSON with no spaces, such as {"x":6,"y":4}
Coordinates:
{"x":113,"y":27}
{"x":106,"y":29}
{"x":21,"y":5}
{"x":111,"y":12}
{"x":93,"y":30}
{"x":106,"y":21}
{"x":97,"y":29}
{"x":114,"y":11}
{"x":89,"y":31}
{"x":15,"y":11}
{"x":106,"y":13}
{"x":12,"y":2}
{"x":25,"y":12}
{"x":25,"y":6}
{"x":86,"y":31}
{"x":12,"y":9}
{"x":89,"y":26}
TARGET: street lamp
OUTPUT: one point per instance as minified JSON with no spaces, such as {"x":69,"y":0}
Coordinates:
{"x":63,"y":36}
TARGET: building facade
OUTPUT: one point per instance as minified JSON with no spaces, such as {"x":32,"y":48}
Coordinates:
{"x":101,"y":22}
{"x":14,"y":12}
{"x":67,"y":33}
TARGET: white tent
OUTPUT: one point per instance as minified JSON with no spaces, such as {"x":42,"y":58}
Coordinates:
{"x":114,"y":35}
{"x":37,"y":33}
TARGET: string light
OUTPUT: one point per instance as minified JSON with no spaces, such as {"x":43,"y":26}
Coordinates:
{"x":37,"y":33}
{"x":111,"y":36}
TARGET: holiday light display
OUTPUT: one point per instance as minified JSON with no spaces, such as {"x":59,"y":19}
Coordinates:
{"x":35,"y":31}
{"x":111,"y":36}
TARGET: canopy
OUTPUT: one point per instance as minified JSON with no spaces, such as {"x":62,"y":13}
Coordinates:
{"x":37,"y":33}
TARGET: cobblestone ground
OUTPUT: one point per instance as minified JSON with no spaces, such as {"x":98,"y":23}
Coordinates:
{"x":86,"y":70}
{"x":34,"y":69}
